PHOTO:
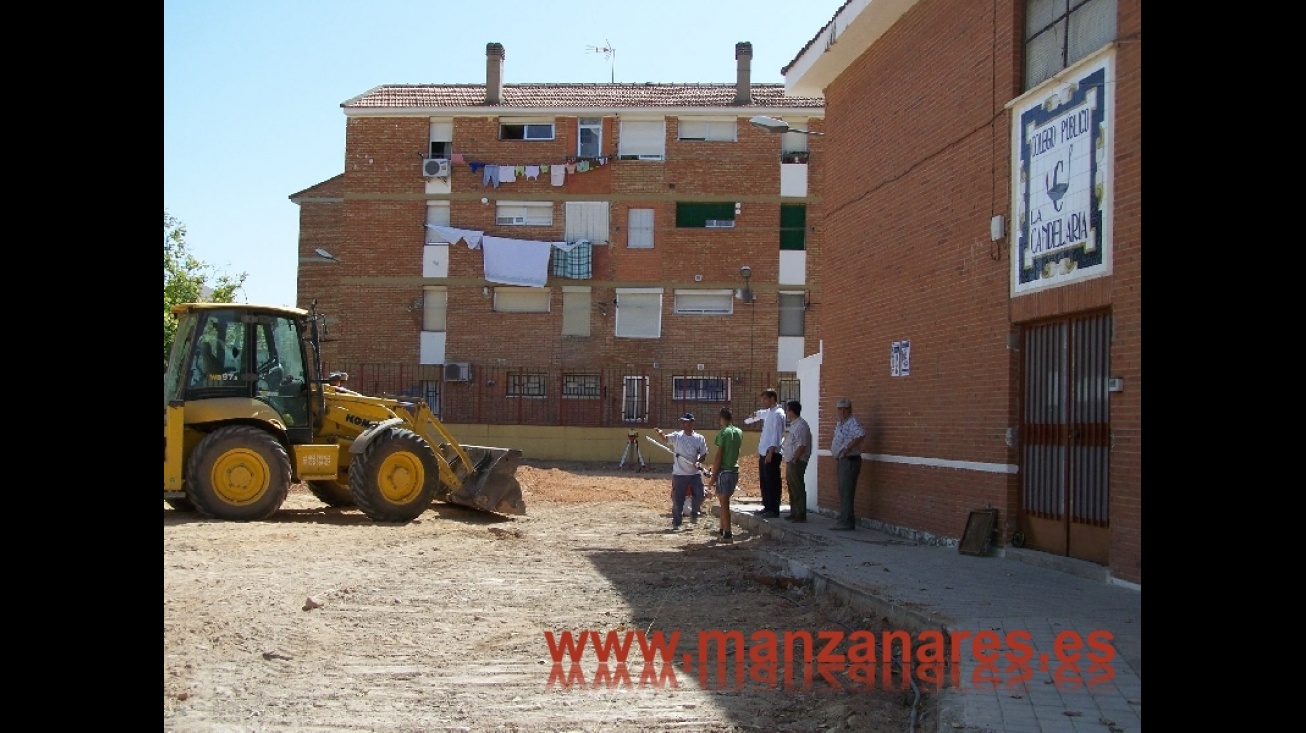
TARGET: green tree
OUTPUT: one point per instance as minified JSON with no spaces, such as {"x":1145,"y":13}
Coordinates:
{"x":186,"y":279}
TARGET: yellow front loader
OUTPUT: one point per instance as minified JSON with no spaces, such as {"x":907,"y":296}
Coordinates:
{"x":247,"y":414}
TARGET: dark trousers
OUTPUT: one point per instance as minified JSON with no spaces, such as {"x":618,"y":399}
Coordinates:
{"x":849,"y":468}
{"x":769,"y":477}
{"x":796,"y":475}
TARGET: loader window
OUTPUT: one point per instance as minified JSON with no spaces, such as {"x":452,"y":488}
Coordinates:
{"x":279,"y":369}
{"x":217,"y":363}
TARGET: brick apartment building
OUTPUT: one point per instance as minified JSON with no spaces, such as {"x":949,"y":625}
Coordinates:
{"x":569,"y":254}
{"x":981,"y":264}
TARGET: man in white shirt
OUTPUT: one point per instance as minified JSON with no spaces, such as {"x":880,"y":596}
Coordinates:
{"x":690,"y":448}
{"x":846,"y":447}
{"x":769,"y":455}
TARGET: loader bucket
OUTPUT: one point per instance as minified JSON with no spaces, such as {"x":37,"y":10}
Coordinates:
{"x":492,"y":485}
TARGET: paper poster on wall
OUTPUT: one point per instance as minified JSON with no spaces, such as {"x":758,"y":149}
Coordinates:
{"x":894,"y":356}
{"x":904,"y":358}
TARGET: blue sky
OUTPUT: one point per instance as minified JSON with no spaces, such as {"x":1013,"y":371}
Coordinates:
{"x":252,"y":89}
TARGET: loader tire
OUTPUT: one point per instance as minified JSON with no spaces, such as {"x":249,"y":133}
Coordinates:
{"x":239,"y":473}
{"x":331,"y":493}
{"x":394,"y":479}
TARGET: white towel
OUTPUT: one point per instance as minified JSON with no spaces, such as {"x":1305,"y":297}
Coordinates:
{"x":452,"y":235}
{"x":507,"y":174}
{"x":516,"y":261}
{"x":532,"y":172}
{"x":557,"y":175}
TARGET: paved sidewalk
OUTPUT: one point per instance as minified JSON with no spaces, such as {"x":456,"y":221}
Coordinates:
{"x":920,"y":586}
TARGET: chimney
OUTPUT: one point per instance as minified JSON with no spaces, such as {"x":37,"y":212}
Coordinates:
{"x":494,"y":73}
{"x":743,"y":83}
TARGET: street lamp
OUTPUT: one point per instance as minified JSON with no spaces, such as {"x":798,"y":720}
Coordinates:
{"x":771,"y":124}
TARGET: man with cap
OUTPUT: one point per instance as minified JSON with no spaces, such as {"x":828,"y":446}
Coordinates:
{"x":338,"y":379}
{"x":846,"y":447}
{"x":690,"y":448}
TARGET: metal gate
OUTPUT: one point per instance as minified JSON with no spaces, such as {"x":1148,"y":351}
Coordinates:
{"x":1066,"y":436}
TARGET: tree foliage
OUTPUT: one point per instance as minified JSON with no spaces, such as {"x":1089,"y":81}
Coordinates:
{"x":186,"y":279}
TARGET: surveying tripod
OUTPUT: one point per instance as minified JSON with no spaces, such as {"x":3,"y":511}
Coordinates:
{"x":632,"y":452}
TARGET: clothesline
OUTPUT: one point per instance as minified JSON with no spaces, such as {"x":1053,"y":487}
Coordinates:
{"x":523,"y":262}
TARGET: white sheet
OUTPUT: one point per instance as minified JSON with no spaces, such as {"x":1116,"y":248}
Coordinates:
{"x":517,"y":261}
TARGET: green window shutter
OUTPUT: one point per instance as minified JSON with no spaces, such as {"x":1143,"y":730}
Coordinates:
{"x":697,"y":214}
{"x":793,"y":226}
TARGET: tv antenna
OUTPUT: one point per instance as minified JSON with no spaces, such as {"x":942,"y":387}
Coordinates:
{"x":610,"y":54}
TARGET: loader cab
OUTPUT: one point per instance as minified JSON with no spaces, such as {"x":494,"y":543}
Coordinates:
{"x":232,"y":351}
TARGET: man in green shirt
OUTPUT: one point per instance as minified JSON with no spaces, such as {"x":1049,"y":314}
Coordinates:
{"x":725,"y":467}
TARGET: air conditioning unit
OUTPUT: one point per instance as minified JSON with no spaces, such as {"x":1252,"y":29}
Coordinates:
{"x":435,"y":167}
{"x":458,"y":371}
{"x":505,"y":220}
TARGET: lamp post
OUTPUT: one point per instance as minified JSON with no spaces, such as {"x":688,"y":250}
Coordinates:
{"x":771,"y":124}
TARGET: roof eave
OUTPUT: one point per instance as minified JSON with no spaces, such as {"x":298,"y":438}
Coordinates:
{"x":855,"y":28}
{"x":500,"y":111}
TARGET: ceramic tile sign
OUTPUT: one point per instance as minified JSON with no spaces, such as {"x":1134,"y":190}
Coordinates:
{"x":1061,"y":138}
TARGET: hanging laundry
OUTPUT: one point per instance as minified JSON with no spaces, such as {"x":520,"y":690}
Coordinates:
{"x":574,"y":260}
{"x":532,"y":172}
{"x":571,"y":167}
{"x":453,"y":234}
{"x":520,"y":170}
{"x":544,"y":168}
{"x":516,"y":261}
{"x":507,"y":174}
{"x":558,"y":175}
{"x":603,"y":160}
{"x":582,"y":166}
{"x":491,"y":176}
{"x":456,"y":158}
{"x":475,"y":166}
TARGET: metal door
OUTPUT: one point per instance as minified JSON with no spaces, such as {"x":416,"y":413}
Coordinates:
{"x":1065,"y":437}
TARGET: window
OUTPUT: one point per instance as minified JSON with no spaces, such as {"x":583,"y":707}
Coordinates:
{"x":719,"y":130}
{"x":793,"y":226}
{"x":580,"y":387}
{"x":709,"y":215}
{"x":523,"y":213}
{"x":521,"y":300}
{"x":527,"y":385}
{"x":1060,"y":32}
{"x":575,"y":311}
{"x":435,"y":305}
{"x":639,"y":313}
{"x":794,"y":142}
{"x":437,"y":215}
{"x":700,"y":389}
{"x":441,"y":139}
{"x":431,"y":393}
{"x":788,"y":389}
{"x":586,"y":220}
{"x":639,"y":227}
{"x":525,"y":130}
{"x":634,"y":399}
{"x":705,"y":302}
{"x":642,"y":140}
{"x":793,"y":314}
{"x":589,"y":137}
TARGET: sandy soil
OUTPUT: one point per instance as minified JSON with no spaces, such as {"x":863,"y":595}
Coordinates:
{"x":322,"y":620}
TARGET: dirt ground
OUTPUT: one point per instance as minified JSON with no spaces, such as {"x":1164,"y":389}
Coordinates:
{"x":321,"y":620}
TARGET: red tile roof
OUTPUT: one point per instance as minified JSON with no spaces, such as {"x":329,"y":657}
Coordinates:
{"x":597,"y":96}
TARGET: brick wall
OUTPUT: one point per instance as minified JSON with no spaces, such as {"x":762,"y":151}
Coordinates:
{"x":923,"y":153}
{"x":380,"y":231}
